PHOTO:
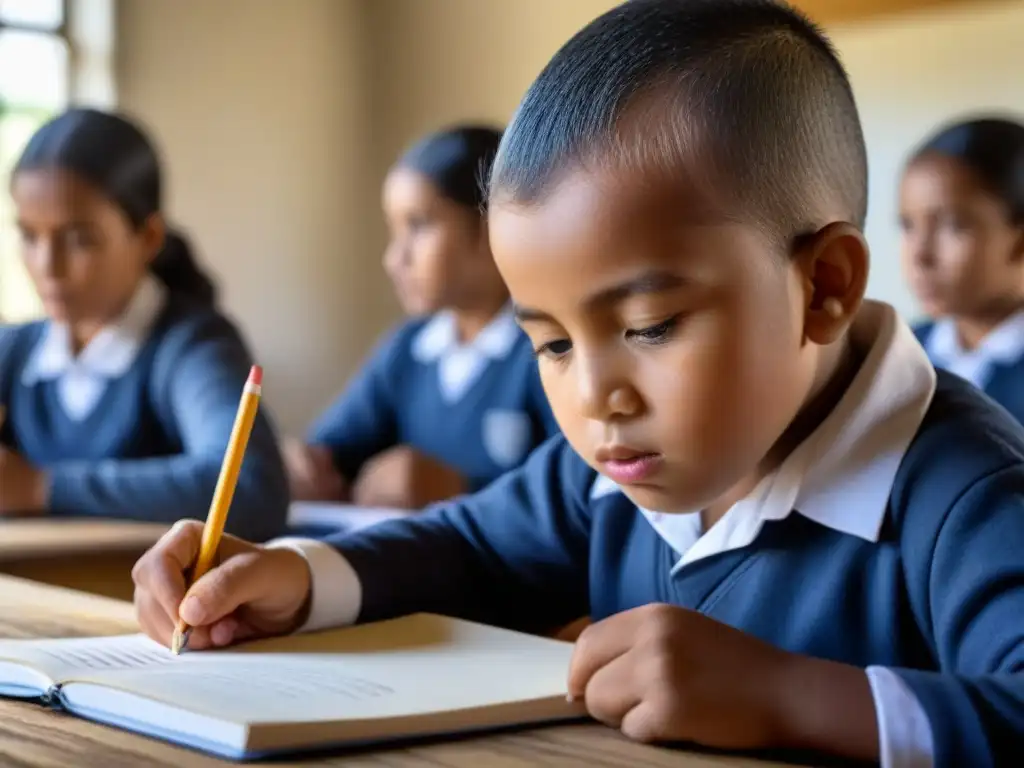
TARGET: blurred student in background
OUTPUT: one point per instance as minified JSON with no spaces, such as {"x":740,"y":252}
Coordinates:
{"x":451,"y":399}
{"x":962,"y":215}
{"x":120,"y":403}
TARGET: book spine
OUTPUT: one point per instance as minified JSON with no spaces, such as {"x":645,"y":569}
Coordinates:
{"x":54,"y":698}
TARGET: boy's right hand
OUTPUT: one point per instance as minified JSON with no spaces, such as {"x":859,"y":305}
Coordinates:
{"x":253,"y":591}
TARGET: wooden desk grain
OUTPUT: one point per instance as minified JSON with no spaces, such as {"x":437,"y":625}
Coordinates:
{"x":93,"y":556}
{"x":33,"y":737}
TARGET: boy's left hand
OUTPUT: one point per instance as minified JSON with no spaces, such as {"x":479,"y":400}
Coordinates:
{"x":663,"y":673}
{"x":23,"y":488}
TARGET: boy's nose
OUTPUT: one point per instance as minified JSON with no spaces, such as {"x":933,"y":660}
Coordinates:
{"x":604,"y":392}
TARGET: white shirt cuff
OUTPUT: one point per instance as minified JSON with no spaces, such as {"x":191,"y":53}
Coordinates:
{"x":337,"y":594}
{"x":904,"y":732}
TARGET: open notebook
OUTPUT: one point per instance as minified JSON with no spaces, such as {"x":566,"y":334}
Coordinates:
{"x":420,"y":675}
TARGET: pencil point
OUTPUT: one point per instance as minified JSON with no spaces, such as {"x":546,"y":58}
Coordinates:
{"x":178,"y":642}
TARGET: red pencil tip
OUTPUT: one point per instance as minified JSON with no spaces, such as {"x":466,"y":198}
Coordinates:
{"x":256,"y":376}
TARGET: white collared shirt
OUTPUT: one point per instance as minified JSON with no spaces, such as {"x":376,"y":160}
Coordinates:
{"x":840,"y":477}
{"x":82,"y":379}
{"x":1004,"y":344}
{"x":460,"y":365}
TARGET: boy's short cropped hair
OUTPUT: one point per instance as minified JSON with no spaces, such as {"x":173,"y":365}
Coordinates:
{"x":747,"y":96}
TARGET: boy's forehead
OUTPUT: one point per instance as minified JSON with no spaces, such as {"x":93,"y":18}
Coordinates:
{"x":595,"y":230}
{"x":608,"y":208}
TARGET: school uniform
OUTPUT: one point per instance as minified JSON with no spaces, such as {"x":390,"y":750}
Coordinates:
{"x":476,"y":407}
{"x":136,"y":425}
{"x":890,"y":539}
{"x":995,"y":366}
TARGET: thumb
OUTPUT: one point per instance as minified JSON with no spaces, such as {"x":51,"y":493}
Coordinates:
{"x":239,"y":580}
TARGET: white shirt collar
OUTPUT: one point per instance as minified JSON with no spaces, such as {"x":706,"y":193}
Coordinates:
{"x":111,"y":352}
{"x":439,"y":337}
{"x":842,"y":475}
{"x":460,"y":365}
{"x":1003,"y":345}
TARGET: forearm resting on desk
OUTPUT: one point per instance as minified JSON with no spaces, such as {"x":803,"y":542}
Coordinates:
{"x":167,"y":489}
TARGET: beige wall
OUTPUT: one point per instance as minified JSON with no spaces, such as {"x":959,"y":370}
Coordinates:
{"x":279,"y":126}
{"x":436,"y":61}
{"x":439,"y":61}
{"x":910,"y":71}
{"x":911,"y":74}
{"x":260,"y":108}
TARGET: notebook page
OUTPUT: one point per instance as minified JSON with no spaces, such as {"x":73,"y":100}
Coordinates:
{"x":370,"y":674}
{"x":58,"y":659}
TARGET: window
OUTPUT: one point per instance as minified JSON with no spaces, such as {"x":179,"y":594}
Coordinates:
{"x":34,"y":84}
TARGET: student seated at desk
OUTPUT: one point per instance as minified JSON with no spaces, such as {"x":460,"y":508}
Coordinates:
{"x":121,"y":402}
{"x":962,"y":214}
{"x":813,"y":540}
{"x":451,"y":399}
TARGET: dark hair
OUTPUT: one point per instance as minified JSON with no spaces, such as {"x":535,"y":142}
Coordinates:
{"x":749,"y":91}
{"x":115,"y":156}
{"x":993,"y":149}
{"x":457,"y":160}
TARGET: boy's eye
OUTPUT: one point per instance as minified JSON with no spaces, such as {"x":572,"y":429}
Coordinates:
{"x":654,"y":334}
{"x":555,"y":349}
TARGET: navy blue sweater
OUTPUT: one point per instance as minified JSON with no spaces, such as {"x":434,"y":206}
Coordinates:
{"x":1005,"y":385}
{"x":939,"y":598}
{"x":395,"y":399}
{"x":153,"y":446}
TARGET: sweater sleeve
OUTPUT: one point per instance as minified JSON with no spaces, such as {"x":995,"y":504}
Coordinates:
{"x":967,"y":580}
{"x":514,"y":554}
{"x":362,"y":422}
{"x":200,"y":396}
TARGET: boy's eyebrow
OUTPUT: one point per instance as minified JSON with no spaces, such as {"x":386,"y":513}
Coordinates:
{"x":655,"y":281}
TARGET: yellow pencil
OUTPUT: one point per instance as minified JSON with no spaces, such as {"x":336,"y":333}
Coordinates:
{"x":218,"y":514}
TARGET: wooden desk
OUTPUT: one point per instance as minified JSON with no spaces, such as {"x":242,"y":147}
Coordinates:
{"x":33,"y":737}
{"x":93,"y":556}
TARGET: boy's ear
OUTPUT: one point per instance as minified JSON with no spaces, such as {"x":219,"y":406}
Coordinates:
{"x":834,"y":264}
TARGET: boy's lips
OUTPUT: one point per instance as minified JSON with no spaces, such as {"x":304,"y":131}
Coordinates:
{"x":627,"y":466}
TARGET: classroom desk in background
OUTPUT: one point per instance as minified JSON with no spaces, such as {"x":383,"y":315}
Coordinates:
{"x":33,"y":737}
{"x":93,"y":556}
{"x":97,"y":555}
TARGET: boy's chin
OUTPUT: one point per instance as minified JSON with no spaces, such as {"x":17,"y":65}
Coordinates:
{"x":659,"y":499}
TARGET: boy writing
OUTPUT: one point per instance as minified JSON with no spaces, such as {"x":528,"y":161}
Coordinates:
{"x":802,"y":537}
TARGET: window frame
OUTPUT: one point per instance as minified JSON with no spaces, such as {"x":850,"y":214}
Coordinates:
{"x":61,"y":32}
